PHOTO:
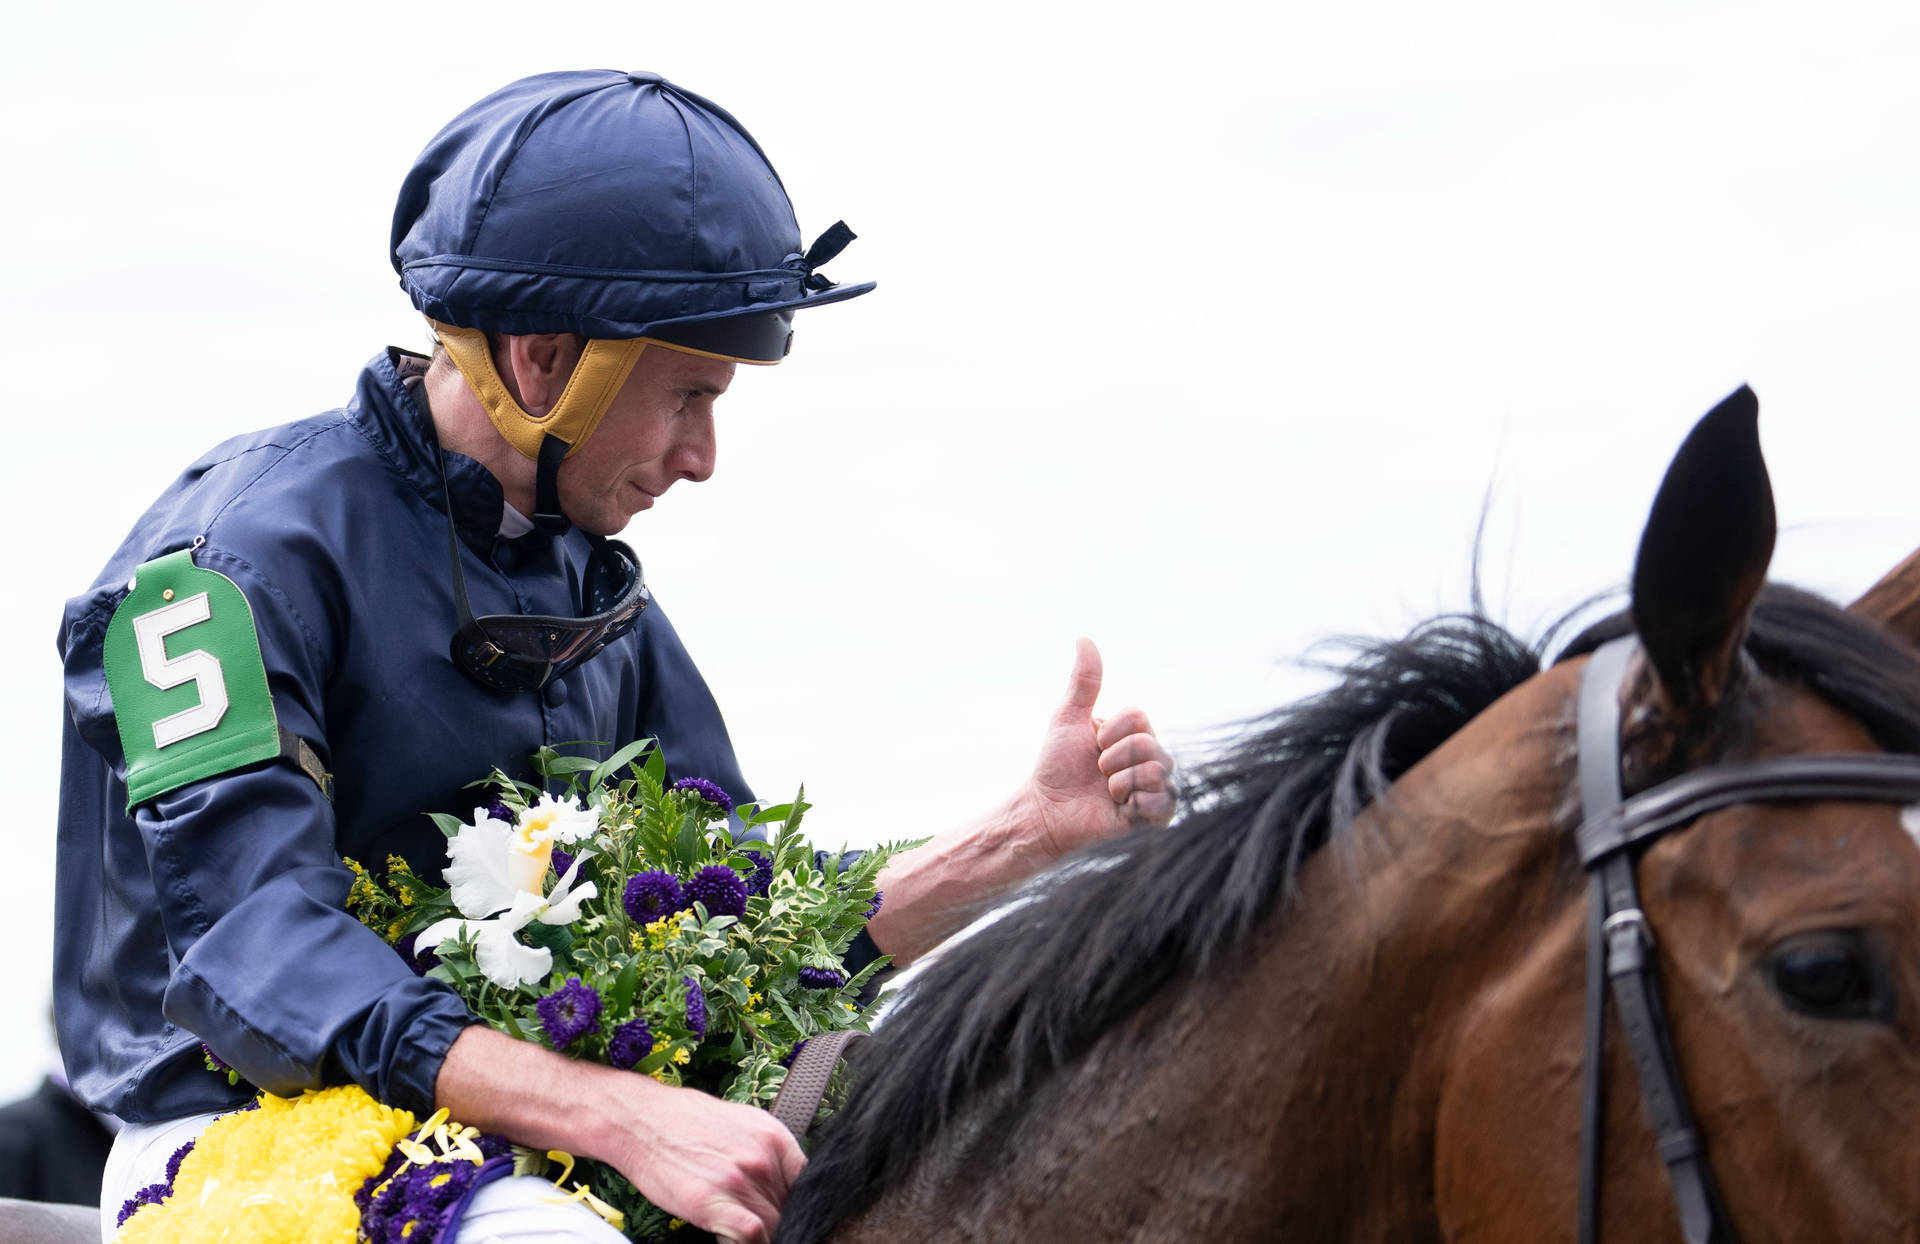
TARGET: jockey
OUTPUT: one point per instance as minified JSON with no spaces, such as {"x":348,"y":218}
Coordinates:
{"x":322,"y":630}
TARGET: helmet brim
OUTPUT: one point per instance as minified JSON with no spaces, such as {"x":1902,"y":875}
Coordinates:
{"x":761,"y":335}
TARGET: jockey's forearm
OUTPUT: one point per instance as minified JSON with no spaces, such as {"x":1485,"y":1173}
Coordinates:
{"x":536,"y":1097}
{"x":939,"y":887}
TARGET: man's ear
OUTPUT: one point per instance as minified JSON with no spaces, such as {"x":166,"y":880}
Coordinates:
{"x":536,"y":367}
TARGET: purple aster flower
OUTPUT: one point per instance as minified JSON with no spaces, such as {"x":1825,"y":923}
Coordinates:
{"x":214,"y":1061}
{"x":173,"y":1163}
{"x":653,"y":894}
{"x":562,"y":861}
{"x":822,"y":978}
{"x":569,"y":1013}
{"x":794,"y":1053}
{"x":707,"y":791}
{"x":762,"y":878}
{"x":152,"y":1194}
{"x":632,"y":1041}
{"x":421,"y":961}
{"x":721,"y":889}
{"x":696,"y":1008}
{"x":499,"y":811}
{"x":873,"y":909}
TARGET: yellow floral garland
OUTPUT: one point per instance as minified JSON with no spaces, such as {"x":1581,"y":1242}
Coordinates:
{"x":284,"y":1173}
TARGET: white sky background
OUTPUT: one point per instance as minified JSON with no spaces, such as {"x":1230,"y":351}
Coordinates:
{"x":1202,"y":330}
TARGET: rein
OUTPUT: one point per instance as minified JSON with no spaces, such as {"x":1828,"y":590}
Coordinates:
{"x":807,"y":1079}
{"x":1620,"y":942}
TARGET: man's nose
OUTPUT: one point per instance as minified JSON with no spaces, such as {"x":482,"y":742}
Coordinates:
{"x":697,"y":450}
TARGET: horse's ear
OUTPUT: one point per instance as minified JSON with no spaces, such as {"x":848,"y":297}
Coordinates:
{"x":1703,"y":557}
{"x":1894,"y":602}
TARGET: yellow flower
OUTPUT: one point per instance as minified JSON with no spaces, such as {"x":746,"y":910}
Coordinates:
{"x":682,"y":1057}
{"x":753,"y":999}
{"x":286,"y":1172}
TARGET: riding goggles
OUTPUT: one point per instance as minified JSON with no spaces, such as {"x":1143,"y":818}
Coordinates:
{"x":514,"y":652}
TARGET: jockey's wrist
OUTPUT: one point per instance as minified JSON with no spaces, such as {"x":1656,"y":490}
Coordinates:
{"x":942,"y":885}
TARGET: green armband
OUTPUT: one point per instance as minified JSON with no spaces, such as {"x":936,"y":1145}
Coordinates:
{"x":188,"y":682}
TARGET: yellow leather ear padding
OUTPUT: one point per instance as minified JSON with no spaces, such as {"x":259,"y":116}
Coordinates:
{"x":602,"y":368}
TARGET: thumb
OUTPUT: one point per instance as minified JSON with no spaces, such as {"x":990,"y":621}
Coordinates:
{"x":1083,"y":687}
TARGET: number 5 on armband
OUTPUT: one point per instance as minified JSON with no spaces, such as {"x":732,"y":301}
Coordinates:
{"x":198,"y":667}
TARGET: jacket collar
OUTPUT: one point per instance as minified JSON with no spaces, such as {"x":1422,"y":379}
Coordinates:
{"x":389,"y":408}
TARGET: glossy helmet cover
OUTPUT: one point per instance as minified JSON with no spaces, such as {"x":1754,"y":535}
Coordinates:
{"x":613,"y":205}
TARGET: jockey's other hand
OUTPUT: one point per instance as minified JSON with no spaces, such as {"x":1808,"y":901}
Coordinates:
{"x":1097,"y":776}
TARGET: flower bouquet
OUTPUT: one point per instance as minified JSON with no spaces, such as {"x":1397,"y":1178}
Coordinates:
{"x":617,"y":918}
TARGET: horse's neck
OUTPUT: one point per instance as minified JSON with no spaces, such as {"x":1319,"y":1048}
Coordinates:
{"x":1291,"y":1088}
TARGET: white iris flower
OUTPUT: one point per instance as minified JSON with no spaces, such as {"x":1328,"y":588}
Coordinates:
{"x":496,"y":872}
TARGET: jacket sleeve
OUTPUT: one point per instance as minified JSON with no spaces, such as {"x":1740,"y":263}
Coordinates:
{"x":267,"y":967}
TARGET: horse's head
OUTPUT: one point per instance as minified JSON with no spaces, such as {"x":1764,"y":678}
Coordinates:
{"x":1785,"y":933}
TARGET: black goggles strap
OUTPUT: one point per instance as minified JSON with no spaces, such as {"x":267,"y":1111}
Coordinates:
{"x":463,"y":610}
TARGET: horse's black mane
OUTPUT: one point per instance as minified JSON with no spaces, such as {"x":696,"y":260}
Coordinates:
{"x":1038,"y":986}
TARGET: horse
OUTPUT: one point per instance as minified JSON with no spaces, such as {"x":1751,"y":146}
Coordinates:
{"x":1347,"y":996}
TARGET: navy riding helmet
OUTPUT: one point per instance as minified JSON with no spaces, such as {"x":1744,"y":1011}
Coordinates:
{"x":611,"y":205}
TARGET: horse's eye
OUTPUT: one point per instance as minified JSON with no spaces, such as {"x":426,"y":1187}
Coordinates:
{"x":1831,"y":975}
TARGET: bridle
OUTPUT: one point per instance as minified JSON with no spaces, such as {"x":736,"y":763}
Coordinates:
{"x":1620,"y":942}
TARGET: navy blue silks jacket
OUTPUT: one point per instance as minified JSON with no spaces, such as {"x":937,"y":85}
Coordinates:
{"x":215,"y":912}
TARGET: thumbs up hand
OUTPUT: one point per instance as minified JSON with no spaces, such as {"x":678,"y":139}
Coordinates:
{"x":1096,"y":777}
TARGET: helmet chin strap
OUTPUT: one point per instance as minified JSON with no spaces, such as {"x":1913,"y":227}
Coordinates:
{"x":548,"y":438}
